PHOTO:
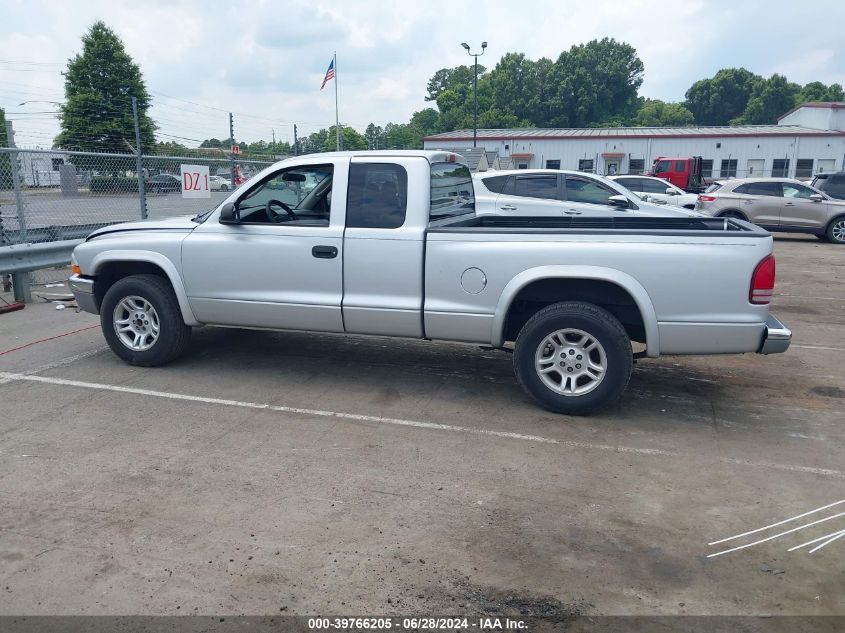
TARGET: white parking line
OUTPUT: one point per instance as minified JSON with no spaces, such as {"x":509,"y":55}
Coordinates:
{"x":830,"y":349}
{"x":9,"y":377}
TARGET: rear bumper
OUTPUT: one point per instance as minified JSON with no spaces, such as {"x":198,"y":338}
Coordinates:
{"x":776,"y":337}
{"x":83,"y":290}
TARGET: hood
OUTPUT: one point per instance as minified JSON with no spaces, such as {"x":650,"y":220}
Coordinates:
{"x":179,"y":224}
{"x":666,"y":211}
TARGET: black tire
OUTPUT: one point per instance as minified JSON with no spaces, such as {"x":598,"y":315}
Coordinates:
{"x":597,"y":323}
{"x":224,"y":187}
{"x":836,"y":230}
{"x":174,"y":335}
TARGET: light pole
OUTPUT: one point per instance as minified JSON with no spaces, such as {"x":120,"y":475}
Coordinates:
{"x":475,"y":91}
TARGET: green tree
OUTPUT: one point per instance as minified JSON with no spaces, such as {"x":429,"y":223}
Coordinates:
{"x":770,"y":98}
{"x":427,"y":121}
{"x":99,"y":85}
{"x":594,"y":82}
{"x":375,"y":136}
{"x":657,"y":113}
{"x":447,"y":78}
{"x":717,"y":100}
{"x":817,"y":91}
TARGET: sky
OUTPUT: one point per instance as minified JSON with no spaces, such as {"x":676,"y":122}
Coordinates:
{"x":265,"y":60}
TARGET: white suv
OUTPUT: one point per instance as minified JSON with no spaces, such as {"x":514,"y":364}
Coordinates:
{"x":657,"y":190}
{"x":538,"y":192}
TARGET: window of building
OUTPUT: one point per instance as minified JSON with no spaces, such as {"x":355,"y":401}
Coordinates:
{"x":451,"y":191}
{"x":707,"y":168}
{"x":728,"y":168}
{"x":804,"y":168}
{"x":377,"y":197}
{"x":636,"y":166}
{"x":760,"y":189}
{"x":539,"y":186}
{"x":552,"y":164}
{"x":780,"y":168}
{"x":585,"y":164}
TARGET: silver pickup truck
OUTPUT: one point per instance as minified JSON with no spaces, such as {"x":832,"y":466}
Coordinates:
{"x":387,"y":243}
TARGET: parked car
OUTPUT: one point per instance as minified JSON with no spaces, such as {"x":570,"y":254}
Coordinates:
{"x":399,"y":251}
{"x":164,"y":183}
{"x":657,"y":190}
{"x":219,"y":183}
{"x":831,"y":184}
{"x":776,"y":204}
{"x":538,"y":192}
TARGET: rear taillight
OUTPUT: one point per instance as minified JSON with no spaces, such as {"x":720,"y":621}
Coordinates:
{"x":763,"y":281}
{"x":706,"y":198}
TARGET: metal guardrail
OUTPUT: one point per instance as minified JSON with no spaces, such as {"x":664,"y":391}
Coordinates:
{"x":24,"y":258}
{"x":21,"y":259}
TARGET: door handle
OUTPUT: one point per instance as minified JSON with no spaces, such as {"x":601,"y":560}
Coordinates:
{"x":324,"y":252}
{"x":789,"y":204}
{"x":572,"y":212}
{"x":508,"y":207}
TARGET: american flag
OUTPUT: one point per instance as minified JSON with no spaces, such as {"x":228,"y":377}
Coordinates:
{"x":329,"y":74}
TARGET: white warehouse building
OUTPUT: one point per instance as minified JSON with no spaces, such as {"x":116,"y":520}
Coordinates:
{"x":809,"y":139}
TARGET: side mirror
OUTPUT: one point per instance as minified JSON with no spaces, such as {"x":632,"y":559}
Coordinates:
{"x":618,"y":201}
{"x":817,"y":197}
{"x":671,"y":192}
{"x":228,"y":214}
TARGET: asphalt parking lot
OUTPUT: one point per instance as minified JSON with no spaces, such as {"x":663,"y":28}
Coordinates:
{"x":316,"y":474}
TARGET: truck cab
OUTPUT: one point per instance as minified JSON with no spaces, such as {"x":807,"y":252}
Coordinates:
{"x":683,"y":172}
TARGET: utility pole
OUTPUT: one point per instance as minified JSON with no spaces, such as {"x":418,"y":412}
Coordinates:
{"x":232,"y":149}
{"x":139,"y":161}
{"x":295,"y":141}
{"x":273,"y":130}
{"x":475,"y":91}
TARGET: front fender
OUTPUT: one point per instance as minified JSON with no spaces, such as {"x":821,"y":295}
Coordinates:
{"x":159,"y":260}
{"x":623,"y":280}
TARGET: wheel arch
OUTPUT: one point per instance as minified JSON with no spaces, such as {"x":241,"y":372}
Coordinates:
{"x":111,"y":266}
{"x":574,"y":279}
{"x":741,"y":215}
{"x":830,"y":224}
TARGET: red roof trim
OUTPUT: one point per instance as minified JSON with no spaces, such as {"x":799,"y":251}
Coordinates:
{"x":628,"y":136}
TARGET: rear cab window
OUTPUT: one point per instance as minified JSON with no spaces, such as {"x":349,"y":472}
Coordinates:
{"x":452,"y":194}
{"x":377,"y":196}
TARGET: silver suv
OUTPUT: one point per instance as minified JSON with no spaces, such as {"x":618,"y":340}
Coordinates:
{"x":776,"y":204}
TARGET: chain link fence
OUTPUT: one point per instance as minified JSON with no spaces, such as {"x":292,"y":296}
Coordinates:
{"x":58,"y":195}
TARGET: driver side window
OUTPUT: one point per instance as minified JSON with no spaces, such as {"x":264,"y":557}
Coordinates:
{"x":297,"y":196}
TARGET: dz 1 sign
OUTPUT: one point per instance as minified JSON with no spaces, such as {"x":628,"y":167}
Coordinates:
{"x":195,"y":181}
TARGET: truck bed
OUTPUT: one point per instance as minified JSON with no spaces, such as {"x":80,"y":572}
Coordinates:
{"x":547,"y":224}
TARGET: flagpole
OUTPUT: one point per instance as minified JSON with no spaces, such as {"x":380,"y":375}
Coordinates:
{"x":336,"y":115}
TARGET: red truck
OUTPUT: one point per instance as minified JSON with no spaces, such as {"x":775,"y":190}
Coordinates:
{"x":683,"y":172}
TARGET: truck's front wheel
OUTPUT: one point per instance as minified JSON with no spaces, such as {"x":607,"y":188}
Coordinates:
{"x":142,"y":322}
{"x":573,"y":358}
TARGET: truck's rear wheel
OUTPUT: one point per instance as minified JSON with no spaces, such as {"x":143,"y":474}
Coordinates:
{"x":142,"y":322}
{"x":573,"y":358}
